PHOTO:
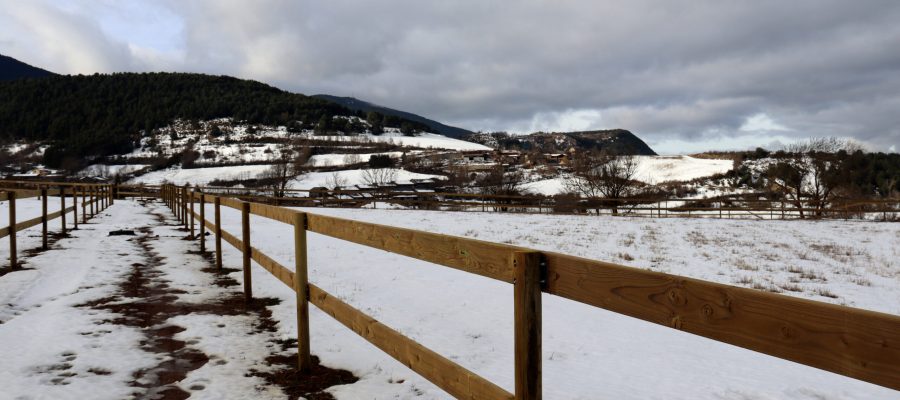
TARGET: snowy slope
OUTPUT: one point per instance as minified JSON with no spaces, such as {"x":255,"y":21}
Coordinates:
{"x":334,"y":160}
{"x":200,"y":176}
{"x":352,"y":177}
{"x":657,"y":169}
{"x":424,"y":140}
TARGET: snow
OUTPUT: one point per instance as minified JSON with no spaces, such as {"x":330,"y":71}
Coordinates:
{"x":353,"y":177}
{"x":658,"y":169}
{"x":200,"y":176}
{"x":334,"y":160}
{"x":588,"y":352}
{"x":111,"y":170}
{"x":469,"y":318}
{"x":53,"y":347}
{"x":423,"y":140}
{"x":547,"y":187}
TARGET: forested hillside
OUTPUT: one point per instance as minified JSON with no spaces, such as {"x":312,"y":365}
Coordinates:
{"x":99,"y":115}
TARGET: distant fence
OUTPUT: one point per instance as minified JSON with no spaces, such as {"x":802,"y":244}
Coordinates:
{"x":732,"y":207}
{"x":94,"y":198}
{"x":857,"y":343}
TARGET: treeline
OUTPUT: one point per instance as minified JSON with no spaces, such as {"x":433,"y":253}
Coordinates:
{"x":100,"y":115}
{"x":811,"y":172}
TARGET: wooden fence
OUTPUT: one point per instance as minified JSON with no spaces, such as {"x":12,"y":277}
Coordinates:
{"x":857,"y":343}
{"x":735,"y":207}
{"x":94,"y":198}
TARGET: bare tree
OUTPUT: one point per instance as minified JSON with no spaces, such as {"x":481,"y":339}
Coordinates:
{"x":379,"y":177}
{"x":812,"y":172}
{"x":335,"y":181}
{"x":290,"y":165}
{"x":352,"y":159}
{"x":597,"y":174}
{"x":501,"y":181}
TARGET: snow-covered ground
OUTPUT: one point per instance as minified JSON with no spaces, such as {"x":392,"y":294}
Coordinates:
{"x":352,"y":177}
{"x":547,"y":187}
{"x":650,"y":169}
{"x":588,"y":352}
{"x":55,"y":346}
{"x":333,"y":160}
{"x":111,"y":170}
{"x":200,"y":176}
{"x":423,"y":140}
{"x":657,"y":169}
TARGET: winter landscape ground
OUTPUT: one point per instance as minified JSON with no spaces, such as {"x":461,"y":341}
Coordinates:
{"x":77,"y":334}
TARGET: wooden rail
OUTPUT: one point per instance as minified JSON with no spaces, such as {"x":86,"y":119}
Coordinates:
{"x":730,"y":207}
{"x":18,"y":190}
{"x":857,"y":343}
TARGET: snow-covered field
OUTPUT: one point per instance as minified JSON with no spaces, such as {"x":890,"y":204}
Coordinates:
{"x":658,"y":169}
{"x":333,"y":160}
{"x":423,"y":140}
{"x":352,"y":177}
{"x":200,"y":176}
{"x":651,"y":170}
{"x":588,"y":352}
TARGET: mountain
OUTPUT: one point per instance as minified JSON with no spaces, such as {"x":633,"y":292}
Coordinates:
{"x":364,"y":106}
{"x":10,"y":68}
{"x":104,"y":114}
{"x":616,"y":141}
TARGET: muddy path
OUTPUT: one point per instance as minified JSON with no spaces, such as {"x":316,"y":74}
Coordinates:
{"x":147,"y":300}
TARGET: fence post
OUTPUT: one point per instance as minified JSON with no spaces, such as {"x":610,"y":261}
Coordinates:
{"x":75,"y":207}
{"x":83,"y":205}
{"x":13,"y":257}
{"x":192,"y":213}
{"x":44,"y":218}
{"x":93,"y":189}
{"x":304,"y":361}
{"x":218,"y":217}
{"x":202,"y":222}
{"x":527,"y":302}
{"x":183,"y":195}
{"x":245,"y":228}
{"x":62,"y":202}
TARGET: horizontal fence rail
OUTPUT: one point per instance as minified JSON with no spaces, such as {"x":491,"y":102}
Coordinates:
{"x":857,"y":343}
{"x":734,"y":207}
{"x":94,"y":198}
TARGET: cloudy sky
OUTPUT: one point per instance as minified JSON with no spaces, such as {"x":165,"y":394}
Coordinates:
{"x":683,"y":75}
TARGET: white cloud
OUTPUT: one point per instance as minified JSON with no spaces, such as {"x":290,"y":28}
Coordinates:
{"x":762,"y":123}
{"x":564,"y":121}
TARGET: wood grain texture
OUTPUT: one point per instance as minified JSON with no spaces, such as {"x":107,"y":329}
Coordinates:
{"x":301,"y":288}
{"x":29,"y":223}
{"x":279,"y":271}
{"x":232,"y":240}
{"x":231,"y":203}
{"x":246,"y":252}
{"x":280,"y":214}
{"x":857,"y":343}
{"x":449,"y":376}
{"x":527,"y":318}
{"x":475,"y":256}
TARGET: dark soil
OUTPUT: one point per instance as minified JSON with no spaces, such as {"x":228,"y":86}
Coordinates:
{"x":309,"y":385}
